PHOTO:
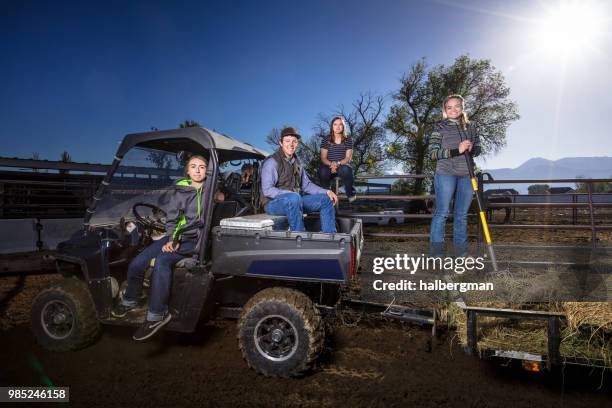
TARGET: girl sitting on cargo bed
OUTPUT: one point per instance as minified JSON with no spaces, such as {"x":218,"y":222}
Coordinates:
{"x":336,"y":155}
{"x":184,"y":210}
{"x":453,"y":141}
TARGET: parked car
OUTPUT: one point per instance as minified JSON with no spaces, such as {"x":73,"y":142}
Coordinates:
{"x":384,"y":217}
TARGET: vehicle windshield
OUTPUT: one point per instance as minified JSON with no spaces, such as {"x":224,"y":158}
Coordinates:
{"x":143,"y":176}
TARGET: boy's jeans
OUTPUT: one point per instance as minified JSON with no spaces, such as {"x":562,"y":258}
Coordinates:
{"x":161,"y":278}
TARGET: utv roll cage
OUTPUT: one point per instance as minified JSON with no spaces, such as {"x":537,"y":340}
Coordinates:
{"x":216,"y":146}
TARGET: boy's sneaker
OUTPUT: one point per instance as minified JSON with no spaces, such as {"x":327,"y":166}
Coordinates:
{"x":352,"y":198}
{"x":149,"y":328}
{"x":120,"y":310}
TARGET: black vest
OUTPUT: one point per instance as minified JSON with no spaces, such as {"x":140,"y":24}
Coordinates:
{"x":289,"y":174}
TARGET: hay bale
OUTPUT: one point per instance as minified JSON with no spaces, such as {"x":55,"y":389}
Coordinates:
{"x":526,"y":335}
{"x":587,"y":334}
{"x":595,"y":314}
{"x":587,"y":344}
{"x":454,"y":317}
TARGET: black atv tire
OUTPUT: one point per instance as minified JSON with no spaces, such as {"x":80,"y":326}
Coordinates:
{"x":280,"y":333}
{"x":64,"y":316}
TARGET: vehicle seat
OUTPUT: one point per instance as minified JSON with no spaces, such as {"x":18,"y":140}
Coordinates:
{"x":225,"y":209}
{"x":231,"y":180}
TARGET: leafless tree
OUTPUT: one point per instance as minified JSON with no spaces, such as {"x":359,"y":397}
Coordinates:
{"x":365,"y":123}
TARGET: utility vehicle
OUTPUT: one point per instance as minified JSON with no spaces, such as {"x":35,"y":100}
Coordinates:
{"x":247,"y":264}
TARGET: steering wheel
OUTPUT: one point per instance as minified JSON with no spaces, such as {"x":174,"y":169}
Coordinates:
{"x":155,"y":221}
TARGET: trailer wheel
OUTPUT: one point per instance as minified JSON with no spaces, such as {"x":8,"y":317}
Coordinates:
{"x":280,"y":333}
{"x":64,"y":316}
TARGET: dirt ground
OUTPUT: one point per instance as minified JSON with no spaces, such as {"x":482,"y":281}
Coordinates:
{"x":373,"y":363}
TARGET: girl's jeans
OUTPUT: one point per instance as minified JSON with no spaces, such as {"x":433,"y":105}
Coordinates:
{"x":447,"y":188}
{"x":344,"y":172}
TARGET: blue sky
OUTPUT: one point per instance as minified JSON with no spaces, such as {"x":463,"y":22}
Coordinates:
{"x":77,"y":76}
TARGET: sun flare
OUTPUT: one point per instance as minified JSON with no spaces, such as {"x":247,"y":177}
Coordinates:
{"x":570,"y":27}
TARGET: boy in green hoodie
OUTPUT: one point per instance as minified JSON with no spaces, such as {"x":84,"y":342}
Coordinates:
{"x":183,"y":210}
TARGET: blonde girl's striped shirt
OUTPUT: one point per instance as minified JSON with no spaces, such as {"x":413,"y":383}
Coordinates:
{"x":444,"y":147}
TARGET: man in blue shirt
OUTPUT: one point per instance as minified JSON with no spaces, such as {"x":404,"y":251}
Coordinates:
{"x":283,"y":179}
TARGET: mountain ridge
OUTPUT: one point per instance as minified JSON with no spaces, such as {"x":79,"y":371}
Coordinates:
{"x":565,"y":168}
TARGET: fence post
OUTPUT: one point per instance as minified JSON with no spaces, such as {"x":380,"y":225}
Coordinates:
{"x":590,"y":196}
{"x":472,"y":332}
{"x":574,"y":210}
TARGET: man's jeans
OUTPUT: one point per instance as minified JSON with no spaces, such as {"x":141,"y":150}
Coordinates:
{"x":447,"y":188}
{"x":344,"y":172}
{"x":161,"y":278}
{"x":293,"y":206}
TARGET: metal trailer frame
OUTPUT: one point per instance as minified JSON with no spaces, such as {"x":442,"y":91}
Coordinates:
{"x":553,"y":320}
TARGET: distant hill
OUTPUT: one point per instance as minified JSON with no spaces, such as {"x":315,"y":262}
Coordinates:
{"x":539,"y":168}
